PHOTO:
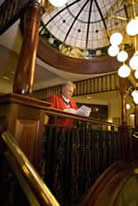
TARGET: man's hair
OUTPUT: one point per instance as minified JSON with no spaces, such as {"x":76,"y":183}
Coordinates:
{"x":69,"y":83}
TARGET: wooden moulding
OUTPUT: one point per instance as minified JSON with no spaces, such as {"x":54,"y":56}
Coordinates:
{"x":56,"y":59}
{"x":24,"y":100}
{"x":107,"y":187}
{"x":23,"y":117}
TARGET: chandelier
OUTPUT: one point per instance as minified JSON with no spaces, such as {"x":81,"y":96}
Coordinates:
{"x":117,"y":49}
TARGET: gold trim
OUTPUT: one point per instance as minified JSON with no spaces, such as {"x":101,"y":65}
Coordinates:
{"x":118,"y":17}
{"x":26,"y":174}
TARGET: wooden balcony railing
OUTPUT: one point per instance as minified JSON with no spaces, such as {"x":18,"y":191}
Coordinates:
{"x":36,"y":192}
{"x":76,"y":153}
{"x":105,"y":83}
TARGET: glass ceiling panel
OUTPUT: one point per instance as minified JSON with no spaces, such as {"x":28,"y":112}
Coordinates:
{"x":85,"y":24}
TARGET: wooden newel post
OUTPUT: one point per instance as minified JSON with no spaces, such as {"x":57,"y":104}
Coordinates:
{"x":24,"y":77}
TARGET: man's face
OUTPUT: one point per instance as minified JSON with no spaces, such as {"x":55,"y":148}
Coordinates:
{"x":68,"y":92}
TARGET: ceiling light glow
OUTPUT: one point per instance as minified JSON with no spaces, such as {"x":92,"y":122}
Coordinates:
{"x":132,"y":27}
{"x":116,"y":38}
{"x":58,"y":3}
{"x":124,"y":71}
{"x":122,"y":56}
{"x":113,"y":50}
{"x":134,"y":62}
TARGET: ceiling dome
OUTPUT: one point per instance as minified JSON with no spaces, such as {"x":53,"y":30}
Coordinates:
{"x":83,"y":24}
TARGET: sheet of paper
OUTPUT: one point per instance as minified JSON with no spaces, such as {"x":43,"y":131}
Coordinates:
{"x":82,"y":111}
{"x":73,"y":111}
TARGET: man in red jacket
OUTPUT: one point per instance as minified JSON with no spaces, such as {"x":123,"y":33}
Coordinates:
{"x":63,"y":102}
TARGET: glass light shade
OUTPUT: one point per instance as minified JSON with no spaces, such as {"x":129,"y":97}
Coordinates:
{"x":85,"y":53}
{"x":134,"y":62}
{"x":132,"y":27}
{"x":127,"y":106}
{"x":113,"y":50}
{"x":122,"y":56}
{"x":136,"y":74}
{"x":116,"y":38}
{"x":135,"y":99}
{"x":134,"y":93}
{"x":58,"y":3}
{"x":124,"y":71}
{"x":51,"y":40}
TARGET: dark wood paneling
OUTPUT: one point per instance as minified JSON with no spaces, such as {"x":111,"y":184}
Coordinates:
{"x":27,"y":130}
{"x":23,"y":117}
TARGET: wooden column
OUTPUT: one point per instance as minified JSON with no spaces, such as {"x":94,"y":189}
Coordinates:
{"x":135,"y":134}
{"x":24,"y":77}
{"x":123,"y":89}
{"x":136,"y":111}
{"x":126,"y":143}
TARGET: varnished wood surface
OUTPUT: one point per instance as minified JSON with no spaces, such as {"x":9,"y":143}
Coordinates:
{"x":33,"y":102}
{"x":56,"y":112}
{"x":108,"y":186}
{"x":23,"y":100}
{"x":24,"y":76}
{"x":26,"y":174}
{"x":23,"y":117}
{"x":83,"y":66}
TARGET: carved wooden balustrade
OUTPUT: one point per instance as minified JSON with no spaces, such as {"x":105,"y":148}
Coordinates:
{"x":76,"y":154}
{"x":105,"y":83}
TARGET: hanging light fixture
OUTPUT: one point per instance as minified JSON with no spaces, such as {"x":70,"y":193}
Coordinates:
{"x":132,"y":27}
{"x":136,"y":74}
{"x":134,"y":62}
{"x":117,"y":38}
{"x":124,"y":71}
{"x":58,"y":3}
{"x":113,"y":50}
{"x":135,"y":99}
{"x":128,"y":106}
{"x":122,"y":56}
{"x":135,"y":96}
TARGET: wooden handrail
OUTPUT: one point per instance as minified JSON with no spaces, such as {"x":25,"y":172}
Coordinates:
{"x":23,"y":168}
{"x":59,"y":113}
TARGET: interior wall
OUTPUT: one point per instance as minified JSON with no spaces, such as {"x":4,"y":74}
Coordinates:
{"x":12,"y":38}
{"x":112,"y":99}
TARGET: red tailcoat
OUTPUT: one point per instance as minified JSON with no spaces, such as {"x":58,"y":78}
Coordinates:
{"x":58,"y":103}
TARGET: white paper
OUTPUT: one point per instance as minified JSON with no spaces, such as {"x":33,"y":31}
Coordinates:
{"x":82,"y":111}
{"x":73,"y":111}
